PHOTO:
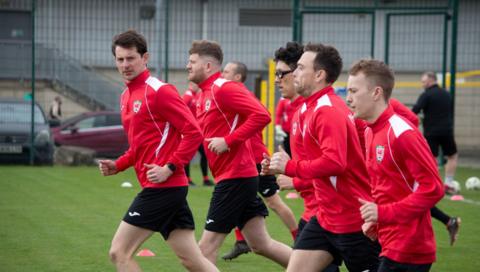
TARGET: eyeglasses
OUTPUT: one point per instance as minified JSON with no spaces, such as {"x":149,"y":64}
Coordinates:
{"x":281,"y":74}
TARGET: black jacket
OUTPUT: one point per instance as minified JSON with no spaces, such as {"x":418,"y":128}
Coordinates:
{"x":436,"y":104}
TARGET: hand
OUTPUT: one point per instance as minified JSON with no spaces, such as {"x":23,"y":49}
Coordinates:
{"x":370,"y":230}
{"x":217,"y":145}
{"x":265,"y":165}
{"x":285,"y":182}
{"x":157,"y":174}
{"x":107,"y":167}
{"x":279,"y":161}
{"x":280,"y":135}
{"x":369,"y":211}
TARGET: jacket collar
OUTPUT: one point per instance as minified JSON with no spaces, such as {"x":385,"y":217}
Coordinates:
{"x":382,"y":120}
{"x":139,"y":80}
{"x":311,"y":100}
{"x":207,"y":83}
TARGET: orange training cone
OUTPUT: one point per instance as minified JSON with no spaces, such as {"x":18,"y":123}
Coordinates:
{"x":145,"y":253}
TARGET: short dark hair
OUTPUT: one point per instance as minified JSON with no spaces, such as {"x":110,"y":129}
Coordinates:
{"x":241,"y":68}
{"x":130,"y":39}
{"x":377,"y":73}
{"x":431,"y":75}
{"x":290,"y":54}
{"x":207,"y":48}
{"x":327,"y":58}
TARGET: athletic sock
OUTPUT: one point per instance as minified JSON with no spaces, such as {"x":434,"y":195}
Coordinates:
{"x":294,"y":234}
{"x":448,"y":180}
{"x":238,"y":235}
{"x":439,"y":215}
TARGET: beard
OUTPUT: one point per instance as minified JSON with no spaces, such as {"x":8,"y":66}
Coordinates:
{"x":197,"y":77}
{"x":299,"y":89}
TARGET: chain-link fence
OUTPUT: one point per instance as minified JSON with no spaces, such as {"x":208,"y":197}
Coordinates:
{"x":73,"y":58}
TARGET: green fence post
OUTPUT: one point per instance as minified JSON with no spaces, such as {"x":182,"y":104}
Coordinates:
{"x":167,"y":14}
{"x":444,"y":60}
{"x":453,"y":61}
{"x":295,"y":20}
{"x":387,"y":38}
{"x":32,"y":120}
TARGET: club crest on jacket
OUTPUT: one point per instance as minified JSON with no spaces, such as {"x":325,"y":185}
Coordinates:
{"x":380,"y":152}
{"x":208,"y":103}
{"x":136,"y":105}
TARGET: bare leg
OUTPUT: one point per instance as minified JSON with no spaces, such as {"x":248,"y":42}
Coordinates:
{"x":275,"y":203}
{"x":309,"y":260}
{"x":261,"y":243}
{"x":126,"y":241}
{"x":210,"y":243}
{"x":182,"y":242}
{"x":451,"y":166}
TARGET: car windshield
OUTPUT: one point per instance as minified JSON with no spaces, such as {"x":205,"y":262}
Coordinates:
{"x":19,"y":113}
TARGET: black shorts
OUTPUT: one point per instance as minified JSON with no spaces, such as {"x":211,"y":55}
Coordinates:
{"x":161,"y":209}
{"x":446,"y":142}
{"x":234,"y":202}
{"x":330,"y":268}
{"x":286,"y":145}
{"x":301,"y":225}
{"x":388,"y":265}
{"x":357,"y":251}
{"x":267,"y":185}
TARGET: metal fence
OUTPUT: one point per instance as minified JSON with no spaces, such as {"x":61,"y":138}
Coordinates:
{"x":73,"y":38}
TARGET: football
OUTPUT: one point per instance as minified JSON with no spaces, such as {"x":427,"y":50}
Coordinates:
{"x":456,"y":186}
{"x":472,"y":183}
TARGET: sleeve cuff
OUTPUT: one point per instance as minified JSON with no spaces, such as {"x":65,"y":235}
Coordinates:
{"x":121,"y":164}
{"x":385,"y":214}
{"x":291,"y":168}
{"x":297,"y":184}
{"x":229,"y":140}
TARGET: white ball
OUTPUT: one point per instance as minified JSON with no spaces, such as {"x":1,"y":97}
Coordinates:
{"x":472,"y":183}
{"x":456,"y":186}
{"x":126,"y":184}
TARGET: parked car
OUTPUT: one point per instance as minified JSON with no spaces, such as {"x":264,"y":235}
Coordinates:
{"x":100,"y":131}
{"x":15,"y":133}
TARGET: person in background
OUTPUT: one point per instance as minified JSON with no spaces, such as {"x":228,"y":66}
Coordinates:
{"x":267,"y":186}
{"x":436,"y":104}
{"x":55,"y":111}
{"x":282,"y":122}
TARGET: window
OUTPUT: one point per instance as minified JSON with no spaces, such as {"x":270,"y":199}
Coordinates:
{"x":113,"y":120}
{"x":265,"y":17}
{"x":86,"y":123}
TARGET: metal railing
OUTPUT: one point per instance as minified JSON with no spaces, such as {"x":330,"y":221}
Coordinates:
{"x":53,"y":65}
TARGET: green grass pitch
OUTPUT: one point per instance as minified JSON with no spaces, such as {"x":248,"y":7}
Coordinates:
{"x":63,"y":219}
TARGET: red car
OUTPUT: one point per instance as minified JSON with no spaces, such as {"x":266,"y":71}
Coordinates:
{"x":101,"y":131}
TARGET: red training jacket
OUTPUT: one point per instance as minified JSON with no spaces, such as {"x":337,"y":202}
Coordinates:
{"x":226,"y":109}
{"x":190,"y":99}
{"x":160,"y":129}
{"x":405,"y":185}
{"x":258,"y":146}
{"x":303,"y":186}
{"x":403,"y":111}
{"x":284,"y":112}
{"x":334,"y":161}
